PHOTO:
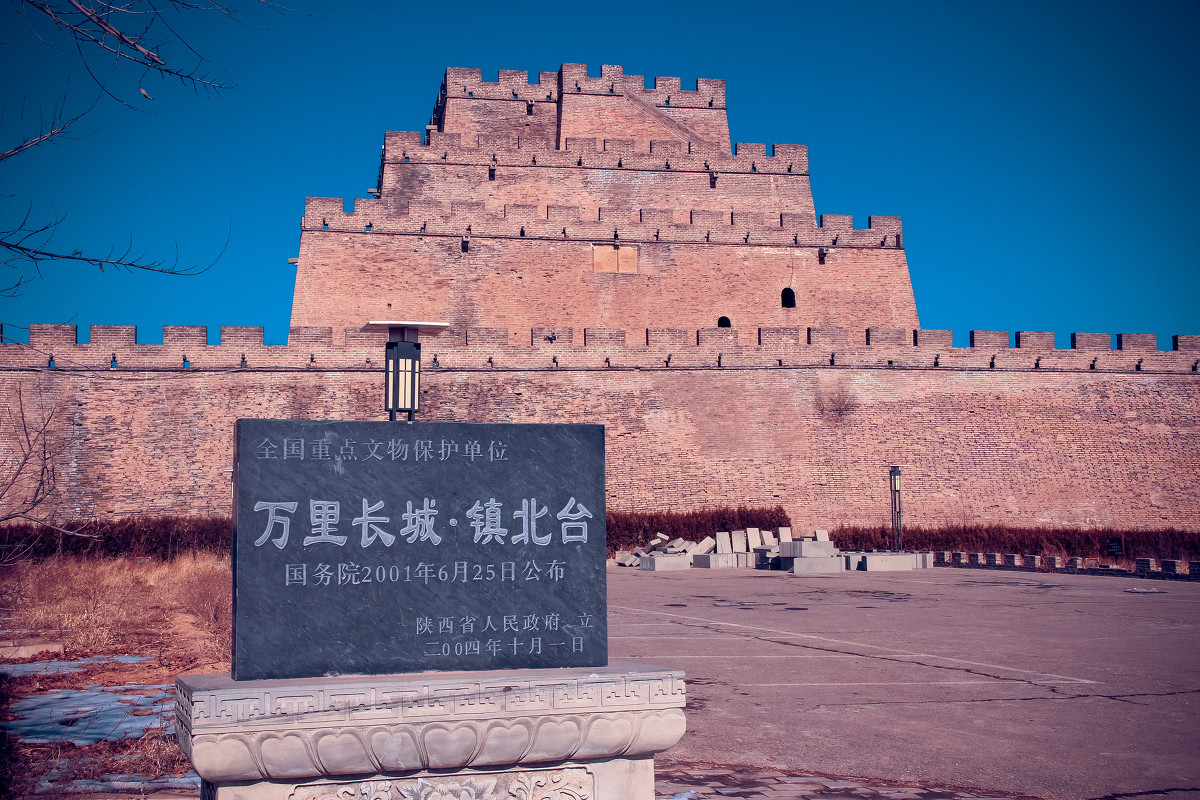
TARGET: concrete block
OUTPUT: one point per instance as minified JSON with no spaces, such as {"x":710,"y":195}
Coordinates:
{"x":807,"y":548}
{"x":818,"y":565}
{"x":1032,"y":561}
{"x":1075,"y":562}
{"x":821,"y":536}
{"x":705,"y":546}
{"x":1145,"y":565}
{"x":739,"y":542}
{"x":724,"y":542}
{"x":26,"y":648}
{"x":941,"y":558}
{"x":993,"y":559}
{"x":764,"y":555}
{"x":958,"y":559}
{"x":976,"y":559}
{"x":659,"y":538}
{"x":1053,"y":562}
{"x":923,"y":560}
{"x":1172,"y":567}
{"x":677,"y":542}
{"x":768,"y":537}
{"x":714,"y":561}
{"x":1012,"y":560}
{"x":753,"y":538}
{"x":785,"y":534}
{"x":888,"y":562}
{"x":854,"y":562}
{"x":745,"y":559}
{"x":665,"y":563}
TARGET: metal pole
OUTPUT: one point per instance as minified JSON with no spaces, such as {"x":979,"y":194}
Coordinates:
{"x":897,"y":537}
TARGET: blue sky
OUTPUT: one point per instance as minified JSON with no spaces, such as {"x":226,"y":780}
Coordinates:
{"x":1043,"y":155}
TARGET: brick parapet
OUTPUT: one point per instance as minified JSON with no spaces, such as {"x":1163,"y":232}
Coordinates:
{"x":565,"y":223}
{"x":512,"y":85}
{"x":314,"y":348}
{"x":506,"y":150}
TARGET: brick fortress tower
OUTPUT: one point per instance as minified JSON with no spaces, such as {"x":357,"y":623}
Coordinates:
{"x":593,"y":203}
{"x":602,"y":254}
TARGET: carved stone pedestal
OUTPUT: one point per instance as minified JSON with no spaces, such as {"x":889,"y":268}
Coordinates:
{"x":557,"y":734}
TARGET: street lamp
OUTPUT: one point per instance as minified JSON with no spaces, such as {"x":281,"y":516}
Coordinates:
{"x":897,"y":538}
{"x":402,"y":363}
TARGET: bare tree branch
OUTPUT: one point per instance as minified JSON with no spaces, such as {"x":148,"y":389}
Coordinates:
{"x":28,"y":476}
{"x":134,"y":33}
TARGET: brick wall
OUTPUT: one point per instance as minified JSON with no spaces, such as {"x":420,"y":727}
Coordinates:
{"x":582,"y":236}
{"x":760,"y":417}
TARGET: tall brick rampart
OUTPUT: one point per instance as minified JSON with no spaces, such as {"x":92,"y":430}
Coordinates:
{"x":808,"y":418}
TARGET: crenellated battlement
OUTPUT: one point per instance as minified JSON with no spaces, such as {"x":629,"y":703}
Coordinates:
{"x":514,"y":85}
{"x":507,"y":150}
{"x":382,"y":217}
{"x":114,"y":348}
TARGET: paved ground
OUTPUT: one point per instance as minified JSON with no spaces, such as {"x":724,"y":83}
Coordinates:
{"x":1052,"y":686}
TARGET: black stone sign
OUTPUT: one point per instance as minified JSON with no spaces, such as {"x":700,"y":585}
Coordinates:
{"x":378,"y":547}
{"x":1116,"y":548}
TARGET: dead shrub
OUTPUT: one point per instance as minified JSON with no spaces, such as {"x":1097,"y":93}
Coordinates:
{"x":834,"y":402}
{"x":203,"y":588}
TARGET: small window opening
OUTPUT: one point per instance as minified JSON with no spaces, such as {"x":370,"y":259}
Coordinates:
{"x":522,"y":230}
{"x":470,"y":94}
{"x":710,"y":102}
{"x":529,"y":108}
{"x":466,"y":244}
{"x":50,"y":363}
{"x":325,"y":224}
{"x":712,"y":180}
{"x":491,"y":173}
{"x":406,"y":159}
{"x":668,"y":100}
{"x":579,"y":161}
{"x":367,"y":228}
{"x":186,"y":364}
{"x":820,"y":255}
{"x":724,"y":322}
{"x":788,"y":298}
{"x":514,"y":94}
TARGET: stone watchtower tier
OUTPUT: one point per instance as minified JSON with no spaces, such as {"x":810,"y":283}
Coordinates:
{"x":593,"y":203}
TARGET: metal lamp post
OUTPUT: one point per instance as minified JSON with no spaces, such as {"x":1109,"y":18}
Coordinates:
{"x":897,"y":538}
{"x":402,"y":363}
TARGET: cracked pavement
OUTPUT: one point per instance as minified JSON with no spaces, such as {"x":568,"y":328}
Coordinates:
{"x":1042,"y":685}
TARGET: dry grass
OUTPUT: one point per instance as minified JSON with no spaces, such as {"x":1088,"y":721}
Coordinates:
{"x":178,"y":612}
